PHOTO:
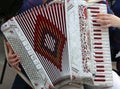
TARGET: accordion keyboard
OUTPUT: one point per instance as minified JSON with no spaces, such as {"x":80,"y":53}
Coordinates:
{"x":100,"y":48}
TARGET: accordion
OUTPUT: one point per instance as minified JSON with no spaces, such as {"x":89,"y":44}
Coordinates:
{"x":61,"y":44}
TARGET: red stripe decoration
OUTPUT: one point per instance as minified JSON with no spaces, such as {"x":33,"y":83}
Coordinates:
{"x":49,"y":41}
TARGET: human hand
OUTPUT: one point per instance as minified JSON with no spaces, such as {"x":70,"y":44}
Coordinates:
{"x":108,"y":20}
{"x":12,"y":58}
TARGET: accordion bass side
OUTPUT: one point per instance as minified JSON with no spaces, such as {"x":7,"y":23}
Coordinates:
{"x":61,"y":43}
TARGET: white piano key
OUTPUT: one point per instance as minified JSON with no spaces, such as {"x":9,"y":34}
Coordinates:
{"x":104,"y":40}
{"x":105,"y":49}
{"x":104,"y":72}
{"x":101,"y":52}
{"x":104,"y":65}
{"x":107,"y":61}
{"x":105,"y":68}
{"x":101,"y":30}
{"x":104,"y":79}
{"x":103,"y":75}
{"x":103,"y":83}
{"x":100,"y":45}
{"x":104,"y":56}
{"x":99,"y":42}
{"x":100,"y":58}
{"x":101,"y":33}
{"x":101,"y":36}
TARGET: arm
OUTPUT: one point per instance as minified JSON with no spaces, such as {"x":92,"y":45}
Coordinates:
{"x":108,"y":20}
{"x":12,"y":58}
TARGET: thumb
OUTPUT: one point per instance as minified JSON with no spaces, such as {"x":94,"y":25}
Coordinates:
{"x":10,"y":50}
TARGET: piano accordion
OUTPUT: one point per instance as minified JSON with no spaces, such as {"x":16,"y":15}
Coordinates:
{"x":61,"y":43}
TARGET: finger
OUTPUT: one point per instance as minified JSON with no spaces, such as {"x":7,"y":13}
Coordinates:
{"x":16,"y":63}
{"x":103,"y":16}
{"x":103,"y":21}
{"x":106,"y":26}
{"x":12,"y":56}
{"x":14,"y":59}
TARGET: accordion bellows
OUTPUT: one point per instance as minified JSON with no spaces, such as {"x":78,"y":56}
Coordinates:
{"x":61,"y":43}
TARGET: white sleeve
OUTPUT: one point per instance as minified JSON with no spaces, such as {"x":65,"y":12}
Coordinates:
{"x":72,"y":87}
{"x":116,"y":81}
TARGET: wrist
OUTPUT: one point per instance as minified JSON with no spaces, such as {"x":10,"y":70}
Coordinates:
{"x":118,"y":23}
